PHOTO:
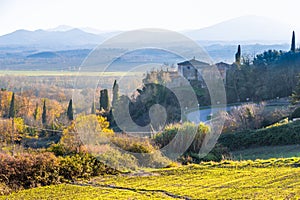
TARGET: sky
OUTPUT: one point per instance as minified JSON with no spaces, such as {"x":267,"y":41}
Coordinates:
{"x":135,"y":14}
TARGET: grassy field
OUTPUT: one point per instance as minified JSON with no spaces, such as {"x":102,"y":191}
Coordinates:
{"x":270,"y":179}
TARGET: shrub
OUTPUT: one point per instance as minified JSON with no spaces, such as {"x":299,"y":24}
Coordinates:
{"x":29,"y":170}
{"x":185,"y":131}
{"x":59,"y":149}
{"x":85,"y":130}
{"x":251,"y":116}
{"x":133,"y":144}
{"x":41,"y":169}
{"x":247,"y":116}
{"x":82,"y":166}
{"x":146,"y":154}
{"x":164,"y":138}
{"x":117,"y":160}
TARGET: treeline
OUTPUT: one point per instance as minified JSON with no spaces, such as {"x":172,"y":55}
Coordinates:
{"x":272,"y":74}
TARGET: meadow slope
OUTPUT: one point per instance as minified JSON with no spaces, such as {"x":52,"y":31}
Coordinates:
{"x":246,"y":180}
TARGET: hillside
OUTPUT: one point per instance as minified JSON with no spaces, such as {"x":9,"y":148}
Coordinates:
{"x":228,"y":180}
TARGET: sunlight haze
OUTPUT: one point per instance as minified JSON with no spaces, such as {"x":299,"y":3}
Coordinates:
{"x":135,"y":14}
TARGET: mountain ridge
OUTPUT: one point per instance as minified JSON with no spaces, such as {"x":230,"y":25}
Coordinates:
{"x":246,"y":28}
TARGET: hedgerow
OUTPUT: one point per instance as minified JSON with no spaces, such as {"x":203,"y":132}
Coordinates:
{"x":287,"y":134}
{"x":29,"y":170}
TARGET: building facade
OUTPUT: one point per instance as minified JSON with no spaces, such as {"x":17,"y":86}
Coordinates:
{"x":193,"y":69}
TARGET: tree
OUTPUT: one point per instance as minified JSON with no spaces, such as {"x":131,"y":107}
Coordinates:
{"x":238,"y":55}
{"x":104,"y":101}
{"x":12,"y":110}
{"x":85,"y":130}
{"x":93,"y":109}
{"x":44,"y":114}
{"x":36,"y":111}
{"x":293,"y":45}
{"x":115,"y":93}
{"x":267,"y":58}
{"x":150,"y":95}
{"x":70,"y":112}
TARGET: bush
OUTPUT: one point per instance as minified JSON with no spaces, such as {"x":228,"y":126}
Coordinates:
{"x":41,"y":169}
{"x":59,"y":149}
{"x":145,"y":153}
{"x":117,"y":160}
{"x":251,"y":116}
{"x":133,"y":144}
{"x":164,"y":138}
{"x":82,"y":166}
{"x":29,"y":170}
{"x":184,"y":131}
{"x":247,"y":116}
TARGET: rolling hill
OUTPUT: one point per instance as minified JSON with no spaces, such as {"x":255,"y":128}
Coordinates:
{"x":51,"y":39}
{"x":245,"y":28}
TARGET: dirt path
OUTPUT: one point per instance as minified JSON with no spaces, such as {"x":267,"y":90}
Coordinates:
{"x":134,"y":190}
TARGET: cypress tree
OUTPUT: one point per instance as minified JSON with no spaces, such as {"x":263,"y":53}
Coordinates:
{"x":238,"y":55}
{"x":93,"y":109}
{"x":104,"y":102}
{"x":70,"y":112}
{"x":36,"y":111}
{"x":12,"y":110}
{"x":293,"y":45}
{"x":44,"y":114}
{"x":115,"y":93}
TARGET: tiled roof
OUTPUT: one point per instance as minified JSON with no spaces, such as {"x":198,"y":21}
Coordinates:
{"x":193,"y":62}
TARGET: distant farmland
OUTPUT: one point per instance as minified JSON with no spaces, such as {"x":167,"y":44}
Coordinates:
{"x":64,"y":73}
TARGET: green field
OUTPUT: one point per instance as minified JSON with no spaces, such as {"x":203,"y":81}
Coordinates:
{"x":270,"y":179}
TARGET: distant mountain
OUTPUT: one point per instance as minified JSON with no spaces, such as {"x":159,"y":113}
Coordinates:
{"x":242,"y":30}
{"x":51,"y":39}
{"x":245,"y":28}
{"x":103,"y":33}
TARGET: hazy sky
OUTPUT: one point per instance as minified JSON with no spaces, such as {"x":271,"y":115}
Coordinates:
{"x":134,"y":14}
